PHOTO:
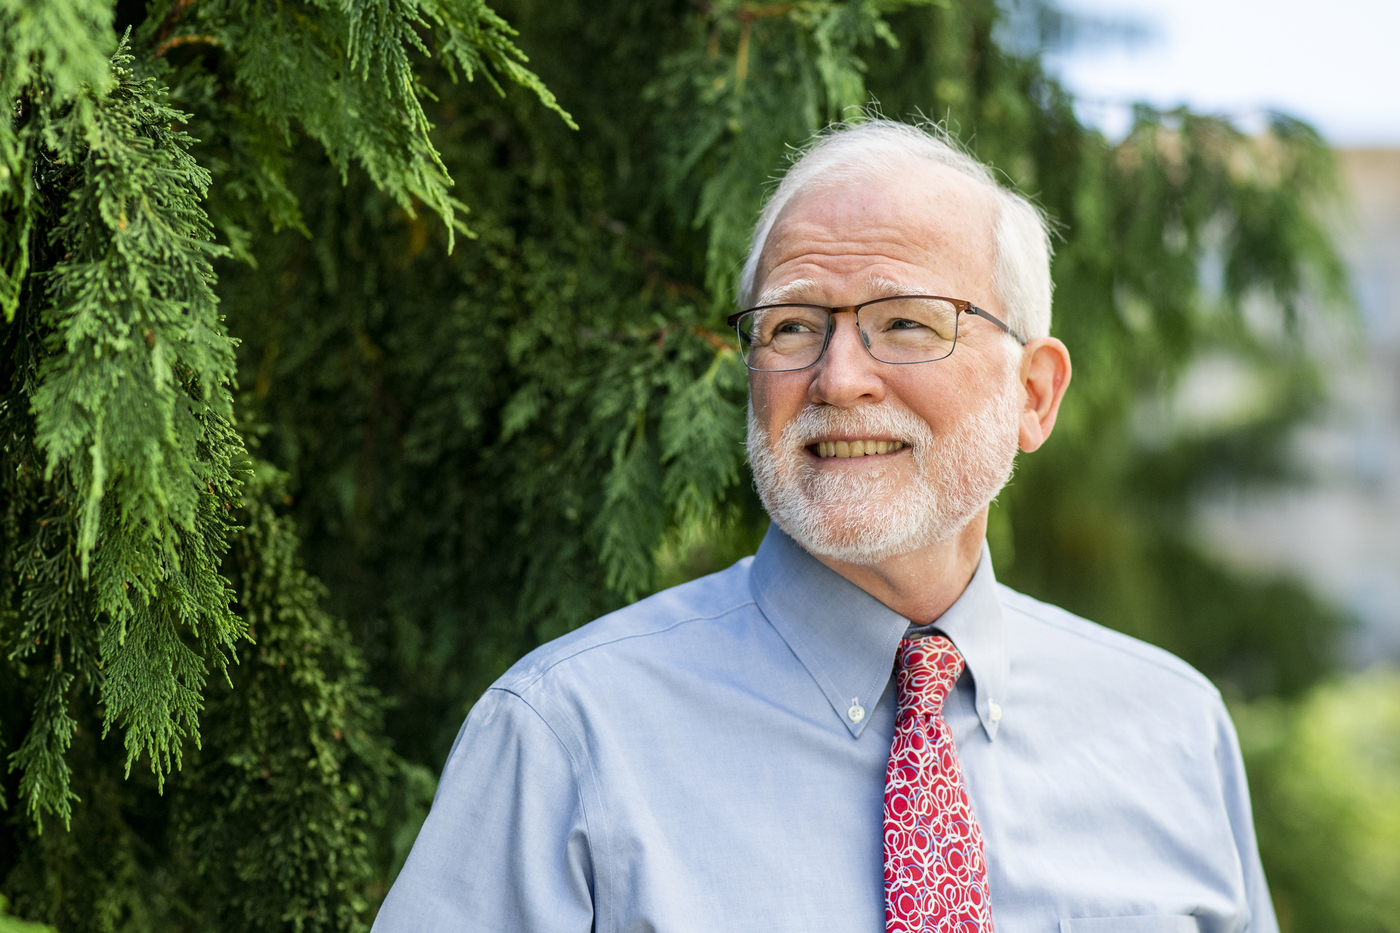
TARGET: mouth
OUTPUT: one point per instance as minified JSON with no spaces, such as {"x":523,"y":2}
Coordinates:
{"x":861,"y":448}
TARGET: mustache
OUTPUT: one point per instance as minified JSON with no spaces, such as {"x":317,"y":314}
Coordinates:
{"x":882,"y":420}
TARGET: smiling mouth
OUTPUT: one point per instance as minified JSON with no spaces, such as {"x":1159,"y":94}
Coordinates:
{"x":844,"y":449}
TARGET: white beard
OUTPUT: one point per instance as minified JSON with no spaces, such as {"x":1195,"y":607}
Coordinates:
{"x":867,"y":518}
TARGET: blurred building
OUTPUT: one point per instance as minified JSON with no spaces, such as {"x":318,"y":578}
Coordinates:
{"x":1341,"y":532}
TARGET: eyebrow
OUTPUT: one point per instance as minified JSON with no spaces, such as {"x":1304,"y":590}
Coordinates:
{"x":798,"y":290}
{"x":785,"y":293}
{"x":889,"y":288}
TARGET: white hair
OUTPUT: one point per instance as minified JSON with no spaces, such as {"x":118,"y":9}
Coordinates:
{"x":882,"y":149}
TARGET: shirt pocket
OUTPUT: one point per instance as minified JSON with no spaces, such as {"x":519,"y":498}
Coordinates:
{"x":1160,"y":923}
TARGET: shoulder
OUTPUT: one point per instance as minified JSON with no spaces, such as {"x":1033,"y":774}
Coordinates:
{"x":1138,"y":710}
{"x":1074,"y":645}
{"x":659,"y":625}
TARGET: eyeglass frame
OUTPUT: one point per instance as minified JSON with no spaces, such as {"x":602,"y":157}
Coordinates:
{"x":962,"y":307}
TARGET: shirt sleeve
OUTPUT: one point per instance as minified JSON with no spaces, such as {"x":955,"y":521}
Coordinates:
{"x":1236,"y":792}
{"x":505,"y":846}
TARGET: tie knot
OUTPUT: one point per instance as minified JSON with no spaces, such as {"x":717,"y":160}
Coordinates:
{"x":928,"y":668}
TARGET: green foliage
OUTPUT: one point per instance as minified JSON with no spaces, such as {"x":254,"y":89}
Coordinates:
{"x":132,"y":419}
{"x":1100,"y":519}
{"x":1325,"y":778}
{"x":344,"y":74}
{"x":274,"y":815}
{"x":753,"y":81}
{"x":110,"y":869}
{"x":275,"y":822}
{"x":485,"y":447}
{"x":9,"y":924}
{"x":122,"y":470}
{"x":51,"y":53}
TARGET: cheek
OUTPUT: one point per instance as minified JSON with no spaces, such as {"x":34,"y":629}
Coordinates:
{"x":938,"y":402}
{"x":776,"y":398}
{"x":950,"y":391}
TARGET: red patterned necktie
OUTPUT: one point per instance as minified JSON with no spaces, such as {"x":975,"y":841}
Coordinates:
{"x":935,"y":870}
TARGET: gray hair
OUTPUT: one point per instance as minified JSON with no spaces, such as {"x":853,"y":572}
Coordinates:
{"x":879,"y":148}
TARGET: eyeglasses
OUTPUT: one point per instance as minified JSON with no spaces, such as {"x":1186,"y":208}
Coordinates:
{"x":902,"y":329}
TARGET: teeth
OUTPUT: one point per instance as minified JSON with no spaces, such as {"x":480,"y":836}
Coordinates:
{"x":845,"y":449}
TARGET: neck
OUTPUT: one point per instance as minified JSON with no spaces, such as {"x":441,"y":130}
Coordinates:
{"x":922,"y":584}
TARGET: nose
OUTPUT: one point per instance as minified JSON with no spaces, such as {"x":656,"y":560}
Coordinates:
{"x":846,"y":375}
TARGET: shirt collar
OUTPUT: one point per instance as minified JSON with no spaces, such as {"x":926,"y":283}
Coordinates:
{"x":847,"y":638}
{"x":975,"y":627}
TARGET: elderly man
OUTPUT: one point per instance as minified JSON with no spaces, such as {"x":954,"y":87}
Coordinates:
{"x":857,"y":729}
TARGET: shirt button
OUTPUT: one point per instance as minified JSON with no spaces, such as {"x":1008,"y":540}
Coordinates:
{"x":996,"y":713}
{"x":856,"y":712}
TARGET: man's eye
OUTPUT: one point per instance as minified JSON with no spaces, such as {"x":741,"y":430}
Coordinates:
{"x":793,"y":327}
{"x":904,"y":324}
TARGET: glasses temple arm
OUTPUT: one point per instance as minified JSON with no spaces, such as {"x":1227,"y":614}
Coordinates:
{"x":973,"y":309}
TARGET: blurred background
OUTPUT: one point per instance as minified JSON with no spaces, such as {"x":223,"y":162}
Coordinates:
{"x":1338,"y":71}
{"x":1325,"y":768}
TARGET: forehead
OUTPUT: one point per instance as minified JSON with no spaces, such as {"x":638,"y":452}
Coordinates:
{"x":927,"y":225}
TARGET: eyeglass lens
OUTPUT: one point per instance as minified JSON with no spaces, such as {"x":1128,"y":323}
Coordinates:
{"x":901,"y":330}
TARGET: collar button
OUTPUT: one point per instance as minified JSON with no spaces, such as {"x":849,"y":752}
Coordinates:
{"x":856,"y":712}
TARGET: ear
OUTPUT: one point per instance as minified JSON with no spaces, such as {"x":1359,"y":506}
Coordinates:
{"x":1045,"y":373}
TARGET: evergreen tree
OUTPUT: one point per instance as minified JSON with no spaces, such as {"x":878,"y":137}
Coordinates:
{"x":126,"y":479}
{"x":490,"y":427}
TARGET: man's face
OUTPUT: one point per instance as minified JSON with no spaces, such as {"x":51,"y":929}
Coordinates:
{"x":930,"y":233}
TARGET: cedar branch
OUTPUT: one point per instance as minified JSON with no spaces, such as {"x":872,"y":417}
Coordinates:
{"x":163,"y":30}
{"x":175,"y":42}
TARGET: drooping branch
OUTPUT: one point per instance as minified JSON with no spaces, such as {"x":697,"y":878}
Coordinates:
{"x":177,"y":9}
{"x":176,"y":41}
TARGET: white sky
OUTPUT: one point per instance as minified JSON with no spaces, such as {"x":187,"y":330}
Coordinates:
{"x":1335,"y":64}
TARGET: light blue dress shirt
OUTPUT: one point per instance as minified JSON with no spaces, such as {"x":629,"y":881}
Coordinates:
{"x":713,"y":759}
